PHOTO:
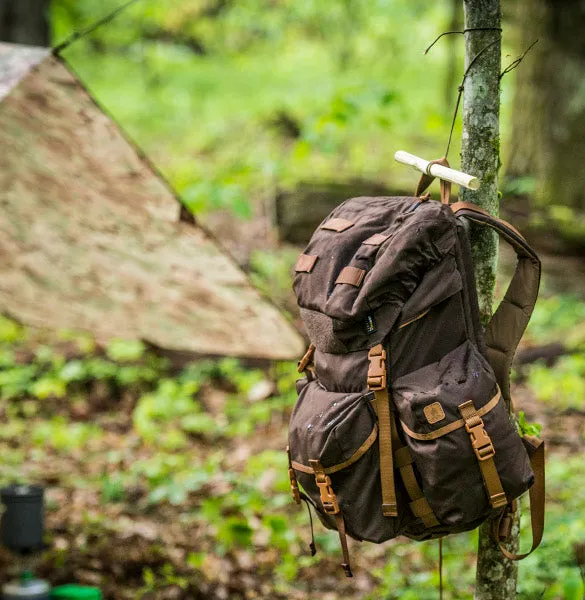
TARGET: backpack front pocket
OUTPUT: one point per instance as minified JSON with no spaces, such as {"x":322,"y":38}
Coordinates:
{"x":340,"y":431}
{"x":468,"y":456}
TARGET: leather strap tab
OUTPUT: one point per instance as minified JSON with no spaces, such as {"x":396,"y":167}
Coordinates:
{"x":377,"y":383}
{"x":307,"y":359}
{"x":337,"y":224}
{"x":305,"y":263}
{"x":426,"y":179}
{"x":376,"y":240}
{"x":351,"y":276}
{"x":485,"y":452}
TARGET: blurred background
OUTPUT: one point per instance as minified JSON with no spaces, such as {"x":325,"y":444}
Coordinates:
{"x":166,"y":476}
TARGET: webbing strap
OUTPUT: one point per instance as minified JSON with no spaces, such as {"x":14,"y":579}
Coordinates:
{"x":485,"y":452}
{"x":418,"y":503}
{"x":537,"y":501}
{"x":308,"y":502}
{"x":340,"y":522}
{"x":507,"y":325}
{"x":331,"y":507}
{"x":377,"y":383}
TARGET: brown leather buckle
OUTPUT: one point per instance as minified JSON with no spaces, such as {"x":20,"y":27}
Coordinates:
{"x":328,"y":497}
{"x":480,"y":440}
{"x":294,"y":486}
{"x":377,"y":369}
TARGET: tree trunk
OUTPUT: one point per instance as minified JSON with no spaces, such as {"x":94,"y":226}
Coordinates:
{"x":548,"y":125}
{"x":496,"y":576}
{"x":24,"y":22}
{"x":481,"y":136}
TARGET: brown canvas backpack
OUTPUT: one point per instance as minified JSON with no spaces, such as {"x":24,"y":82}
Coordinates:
{"x":401,"y":425}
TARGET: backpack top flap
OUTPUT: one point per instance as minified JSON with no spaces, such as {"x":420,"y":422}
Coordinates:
{"x":363,"y":263}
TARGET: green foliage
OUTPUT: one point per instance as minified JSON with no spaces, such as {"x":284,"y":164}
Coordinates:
{"x":10,"y":331}
{"x":192,"y":87}
{"x":519,"y":186}
{"x":564,"y":385}
{"x":526,"y":428}
{"x":271,"y":273}
{"x":558,"y":317}
{"x":62,"y":435}
{"x":178,"y":453}
{"x":125,"y":350}
{"x":166,"y":576}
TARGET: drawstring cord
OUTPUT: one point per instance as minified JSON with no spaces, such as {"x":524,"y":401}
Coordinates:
{"x":440,"y":568}
{"x":306,"y":500}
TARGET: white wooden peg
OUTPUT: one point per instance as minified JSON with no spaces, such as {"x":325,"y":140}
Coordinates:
{"x":420,"y":164}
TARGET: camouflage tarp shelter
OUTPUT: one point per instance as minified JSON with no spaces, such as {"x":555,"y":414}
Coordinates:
{"x":92,"y":238}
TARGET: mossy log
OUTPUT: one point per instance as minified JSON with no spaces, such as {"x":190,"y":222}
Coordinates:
{"x":299,"y":211}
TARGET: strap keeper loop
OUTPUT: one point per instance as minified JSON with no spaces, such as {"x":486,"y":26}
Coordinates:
{"x":390,"y":510}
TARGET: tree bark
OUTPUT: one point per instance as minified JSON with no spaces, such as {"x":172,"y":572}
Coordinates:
{"x":24,"y":22}
{"x":496,"y":576}
{"x":548,"y":125}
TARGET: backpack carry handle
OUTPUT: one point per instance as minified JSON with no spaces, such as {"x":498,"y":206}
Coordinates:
{"x":426,"y":179}
{"x":535,"y":448}
{"x":507,"y":325}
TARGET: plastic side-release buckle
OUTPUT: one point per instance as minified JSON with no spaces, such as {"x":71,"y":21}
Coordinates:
{"x":377,"y":369}
{"x":328,"y":497}
{"x":481,"y":441}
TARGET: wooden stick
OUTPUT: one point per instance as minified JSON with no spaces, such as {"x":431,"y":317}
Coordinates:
{"x":420,"y":164}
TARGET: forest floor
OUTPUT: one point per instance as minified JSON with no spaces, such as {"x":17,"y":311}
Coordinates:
{"x":169,"y":482}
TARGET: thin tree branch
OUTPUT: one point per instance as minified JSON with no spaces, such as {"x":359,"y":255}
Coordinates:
{"x":462,"y":31}
{"x":76,"y":35}
{"x":516,"y":62}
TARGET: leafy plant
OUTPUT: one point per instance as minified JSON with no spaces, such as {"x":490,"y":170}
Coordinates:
{"x":563,"y":386}
{"x":526,"y":428}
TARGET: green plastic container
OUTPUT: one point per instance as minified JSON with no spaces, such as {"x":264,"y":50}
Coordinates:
{"x":73,"y":591}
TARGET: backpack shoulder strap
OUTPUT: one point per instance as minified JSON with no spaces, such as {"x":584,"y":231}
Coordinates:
{"x":508,"y":323}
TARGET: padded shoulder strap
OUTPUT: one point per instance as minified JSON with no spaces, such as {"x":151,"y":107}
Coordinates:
{"x":504,"y":331}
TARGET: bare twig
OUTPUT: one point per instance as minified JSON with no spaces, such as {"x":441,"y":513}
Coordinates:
{"x":439,"y":37}
{"x":462,"y":31}
{"x":516,"y":62}
{"x":460,"y":90}
{"x":79,"y":34}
